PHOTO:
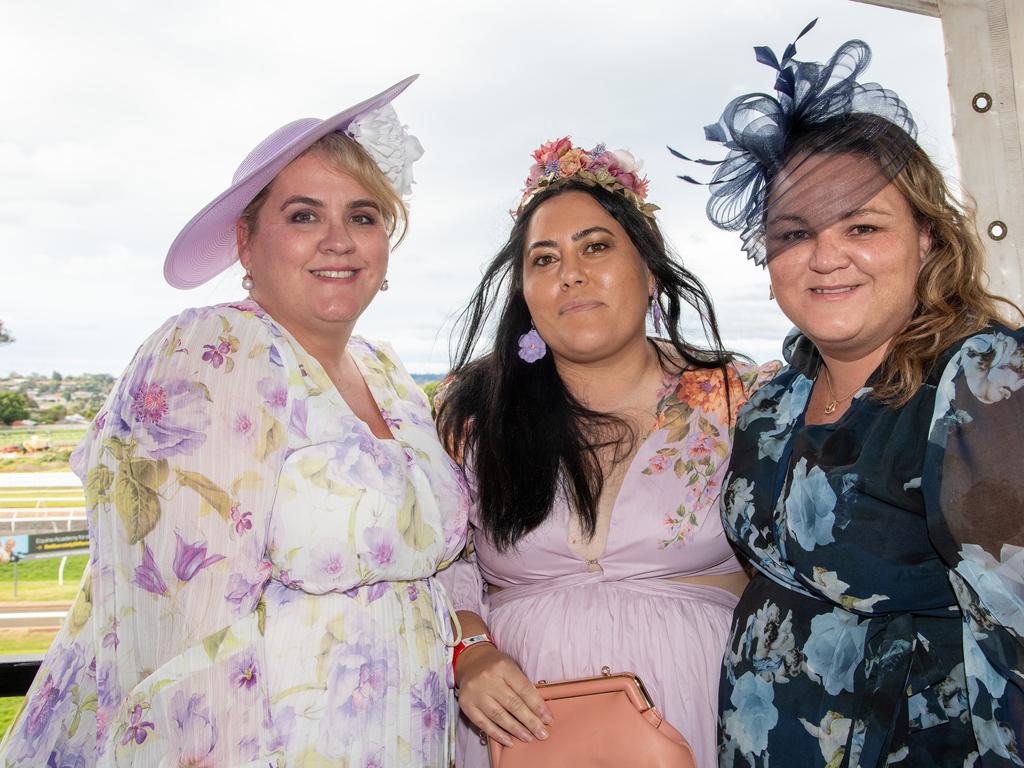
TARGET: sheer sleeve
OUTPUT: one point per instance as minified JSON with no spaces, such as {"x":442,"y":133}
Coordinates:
{"x":462,"y":579}
{"x":160,"y":661}
{"x":464,"y":582}
{"x":973,"y":486}
{"x":745,"y":378}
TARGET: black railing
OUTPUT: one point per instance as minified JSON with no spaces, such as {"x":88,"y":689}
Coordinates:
{"x":17,"y":674}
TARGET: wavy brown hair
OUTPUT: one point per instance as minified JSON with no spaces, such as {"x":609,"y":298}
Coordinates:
{"x":952,"y":301}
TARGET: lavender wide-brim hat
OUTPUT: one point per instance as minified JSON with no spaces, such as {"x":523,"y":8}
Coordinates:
{"x":206,"y":246}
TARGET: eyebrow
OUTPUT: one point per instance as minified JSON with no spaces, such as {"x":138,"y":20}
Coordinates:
{"x":797,"y":219}
{"x":863,"y":211}
{"x":302,"y":200}
{"x":790,"y":217}
{"x":575,"y":237}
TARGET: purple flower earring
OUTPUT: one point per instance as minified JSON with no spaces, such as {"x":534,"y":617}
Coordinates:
{"x":531,"y":346}
{"x":656,"y":316}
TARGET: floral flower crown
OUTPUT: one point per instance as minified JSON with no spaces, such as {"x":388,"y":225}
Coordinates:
{"x":557,"y":161}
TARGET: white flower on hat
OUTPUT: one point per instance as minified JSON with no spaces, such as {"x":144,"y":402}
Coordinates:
{"x":393,"y":149}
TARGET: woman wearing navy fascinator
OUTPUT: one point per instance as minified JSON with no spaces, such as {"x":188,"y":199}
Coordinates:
{"x":877,"y":482}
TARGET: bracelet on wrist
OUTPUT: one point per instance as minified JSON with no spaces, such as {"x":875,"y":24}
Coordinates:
{"x":468,"y":642}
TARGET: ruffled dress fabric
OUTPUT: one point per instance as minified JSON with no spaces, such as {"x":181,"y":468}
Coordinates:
{"x":886,"y":624}
{"x":561,"y":617}
{"x":260,"y":589}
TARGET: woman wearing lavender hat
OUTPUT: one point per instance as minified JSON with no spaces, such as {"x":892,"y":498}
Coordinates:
{"x":268,"y":500}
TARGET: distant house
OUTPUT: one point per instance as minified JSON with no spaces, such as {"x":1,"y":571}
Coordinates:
{"x":76,"y":418}
{"x":81,"y":394}
{"x":24,"y":423}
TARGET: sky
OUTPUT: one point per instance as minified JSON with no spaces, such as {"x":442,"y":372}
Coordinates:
{"x":123,"y":119}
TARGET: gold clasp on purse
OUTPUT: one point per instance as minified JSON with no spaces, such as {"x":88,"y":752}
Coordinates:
{"x":606,"y":673}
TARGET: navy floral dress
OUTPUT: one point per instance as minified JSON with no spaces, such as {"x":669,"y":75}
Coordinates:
{"x":885,"y":624}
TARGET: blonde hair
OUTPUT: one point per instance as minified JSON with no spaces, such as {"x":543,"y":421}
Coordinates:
{"x":952,"y":301}
{"x":344,"y":155}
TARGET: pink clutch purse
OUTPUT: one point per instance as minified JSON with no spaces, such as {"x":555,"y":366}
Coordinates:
{"x":608,"y":721}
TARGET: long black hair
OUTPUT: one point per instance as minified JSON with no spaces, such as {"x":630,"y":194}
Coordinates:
{"x":525,"y":436}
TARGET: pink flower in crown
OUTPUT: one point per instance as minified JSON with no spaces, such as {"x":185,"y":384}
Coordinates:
{"x":626,"y":170}
{"x":536,"y":171}
{"x":623,"y":161}
{"x":572,"y":162}
{"x":552,"y":150}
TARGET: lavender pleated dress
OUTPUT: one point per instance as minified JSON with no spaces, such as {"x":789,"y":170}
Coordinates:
{"x":562,"y":617}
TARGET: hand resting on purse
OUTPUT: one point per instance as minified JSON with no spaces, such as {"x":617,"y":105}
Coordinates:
{"x":495,"y":694}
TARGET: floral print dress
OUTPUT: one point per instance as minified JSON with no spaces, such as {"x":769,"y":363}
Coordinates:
{"x":886,"y":623}
{"x":260,"y":589}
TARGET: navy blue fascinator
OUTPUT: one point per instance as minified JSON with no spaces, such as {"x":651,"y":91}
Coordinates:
{"x":775,"y":146}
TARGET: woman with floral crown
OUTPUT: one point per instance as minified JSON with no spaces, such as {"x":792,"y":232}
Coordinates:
{"x":877,"y":482}
{"x":595,"y":453}
{"x":268,"y":500}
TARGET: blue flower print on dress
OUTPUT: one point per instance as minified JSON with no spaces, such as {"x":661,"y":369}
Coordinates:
{"x":835,"y":649}
{"x":833,"y":733}
{"x":759,"y":406}
{"x":980,"y":670}
{"x":999,"y":583}
{"x":993,"y":366}
{"x":754,"y":714}
{"x":772,"y":442}
{"x":738,"y":505}
{"x":810,"y":507}
{"x":769,"y":642}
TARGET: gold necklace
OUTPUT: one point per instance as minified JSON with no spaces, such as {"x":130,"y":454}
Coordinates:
{"x":830,"y":408}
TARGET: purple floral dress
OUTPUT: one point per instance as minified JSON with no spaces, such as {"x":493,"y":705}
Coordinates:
{"x":260,"y":588}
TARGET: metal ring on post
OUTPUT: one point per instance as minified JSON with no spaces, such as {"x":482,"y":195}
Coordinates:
{"x":982,"y":102}
{"x":997,"y":230}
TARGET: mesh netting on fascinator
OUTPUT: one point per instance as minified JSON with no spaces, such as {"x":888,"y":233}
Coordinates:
{"x":808,"y":156}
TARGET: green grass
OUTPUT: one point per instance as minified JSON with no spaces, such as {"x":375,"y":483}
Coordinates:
{"x":43,"y":503}
{"x":8,"y":709}
{"x":56,"y":434}
{"x":23,"y":642}
{"x":10,"y":497}
{"x":36,"y":462}
{"x":37,"y":579}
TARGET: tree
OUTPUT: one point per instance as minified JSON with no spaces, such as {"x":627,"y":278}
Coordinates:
{"x":13,"y":406}
{"x":53,"y":415}
{"x":5,"y":335}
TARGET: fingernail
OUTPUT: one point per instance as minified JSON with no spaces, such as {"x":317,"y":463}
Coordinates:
{"x":543,"y":734}
{"x":506,"y":741}
{"x":547,"y":718}
{"x":526,"y":736}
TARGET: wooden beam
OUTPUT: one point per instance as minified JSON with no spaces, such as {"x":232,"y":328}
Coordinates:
{"x":925,"y":7}
{"x":985,"y":56}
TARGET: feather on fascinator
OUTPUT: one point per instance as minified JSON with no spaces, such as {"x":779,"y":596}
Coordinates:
{"x":775,"y":145}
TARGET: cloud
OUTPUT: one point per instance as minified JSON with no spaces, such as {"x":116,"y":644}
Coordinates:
{"x":124,"y":119}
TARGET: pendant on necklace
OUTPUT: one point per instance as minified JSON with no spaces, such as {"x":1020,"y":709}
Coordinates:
{"x":831,"y":407}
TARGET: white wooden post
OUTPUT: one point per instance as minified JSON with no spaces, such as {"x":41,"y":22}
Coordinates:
{"x":985,"y":63}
